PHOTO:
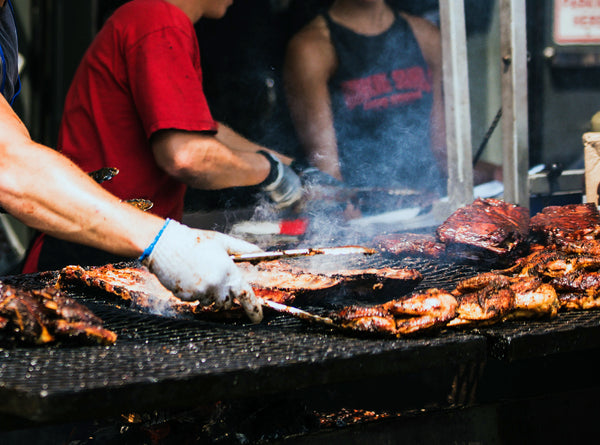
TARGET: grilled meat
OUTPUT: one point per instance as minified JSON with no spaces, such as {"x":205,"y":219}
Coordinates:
{"x":483,"y":300}
{"x":552,"y":263}
{"x":278,"y":275}
{"x":46,"y":315}
{"x":410,"y":244}
{"x":578,"y":290}
{"x":27,"y":321}
{"x":386,"y":280}
{"x":282,"y":276}
{"x":571,"y":221}
{"x":419,"y":312}
{"x":137,"y":285}
{"x":586,"y":247}
{"x":489,"y":224}
{"x":487,"y":229}
{"x":532,"y":297}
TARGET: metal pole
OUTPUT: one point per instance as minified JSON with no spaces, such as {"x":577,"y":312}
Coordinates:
{"x":515,"y":128}
{"x":456,"y":102}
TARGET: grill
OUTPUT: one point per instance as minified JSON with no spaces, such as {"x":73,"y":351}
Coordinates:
{"x":169,"y":363}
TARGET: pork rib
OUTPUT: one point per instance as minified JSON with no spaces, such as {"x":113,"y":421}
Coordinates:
{"x":489,"y":224}
{"x":571,"y":221}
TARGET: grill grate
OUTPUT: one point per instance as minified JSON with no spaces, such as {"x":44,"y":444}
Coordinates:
{"x":164,"y":362}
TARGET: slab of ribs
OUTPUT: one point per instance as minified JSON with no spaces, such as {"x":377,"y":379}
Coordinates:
{"x":488,"y":229}
{"x":273,"y":280}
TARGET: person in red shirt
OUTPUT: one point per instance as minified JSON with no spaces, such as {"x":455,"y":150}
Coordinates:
{"x":46,"y":191}
{"x":137,"y":103}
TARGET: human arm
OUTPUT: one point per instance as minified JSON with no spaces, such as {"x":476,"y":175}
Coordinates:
{"x":224,"y":160}
{"x":309,"y":63}
{"x":46,"y":191}
{"x":429,"y":40}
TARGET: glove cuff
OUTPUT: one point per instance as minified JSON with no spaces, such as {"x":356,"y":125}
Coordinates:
{"x":148,"y":250}
{"x":275,"y":173}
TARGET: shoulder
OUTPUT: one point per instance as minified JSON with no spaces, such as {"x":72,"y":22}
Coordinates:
{"x":147,"y":15}
{"x":311,"y":46}
{"x":428,"y":36}
{"x":313,"y":36}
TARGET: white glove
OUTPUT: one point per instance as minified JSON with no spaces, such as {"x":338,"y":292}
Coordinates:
{"x":195,"y":265}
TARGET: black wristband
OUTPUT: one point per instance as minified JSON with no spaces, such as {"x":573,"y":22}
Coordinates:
{"x":274,"y":172}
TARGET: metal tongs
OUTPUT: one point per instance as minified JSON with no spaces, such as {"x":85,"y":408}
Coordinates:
{"x":296,"y":312}
{"x":310,"y":251}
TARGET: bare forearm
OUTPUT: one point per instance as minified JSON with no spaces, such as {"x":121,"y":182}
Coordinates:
{"x":46,"y":191}
{"x":203,"y":161}
{"x":236,"y":142}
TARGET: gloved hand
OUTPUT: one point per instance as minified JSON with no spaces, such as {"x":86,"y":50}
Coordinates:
{"x":282,"y":185}
{"x":310,"y":176}
{"x":195,"y":265}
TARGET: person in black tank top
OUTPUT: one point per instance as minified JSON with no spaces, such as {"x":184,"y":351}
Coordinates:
{"x":363,"y":83}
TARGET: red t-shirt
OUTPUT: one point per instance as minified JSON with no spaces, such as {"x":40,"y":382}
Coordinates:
{"x":141,"y":74}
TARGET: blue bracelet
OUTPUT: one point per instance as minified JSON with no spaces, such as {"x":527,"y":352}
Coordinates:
{"x":150,"y":248}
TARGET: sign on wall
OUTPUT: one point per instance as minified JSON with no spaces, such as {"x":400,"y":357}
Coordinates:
{"x":576,"y":22}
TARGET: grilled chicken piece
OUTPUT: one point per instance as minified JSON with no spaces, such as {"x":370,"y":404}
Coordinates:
{"x":489,"y":224}
{"x":532,"y":297}
{"x":418,"y":312}
{"x":373,"y":319}
{"x":483,"y":300}
{"x":571,"y":221}
{"x":585,"y":247}
{"x":578,"y":290}
{"x":45,"y":315}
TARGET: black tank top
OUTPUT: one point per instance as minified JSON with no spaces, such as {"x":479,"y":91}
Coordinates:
{"x":9,"y":77}
{"x":381,"y":99}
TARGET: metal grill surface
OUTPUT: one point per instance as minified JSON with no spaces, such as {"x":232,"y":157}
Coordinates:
{"x":159,"y":361}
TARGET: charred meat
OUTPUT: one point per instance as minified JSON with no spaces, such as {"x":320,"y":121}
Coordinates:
{"x":571,"y":221}
{"x":418,"y":312}
{"x":489,"y":224}
{"x":139,"y":287}
{"x":552,"y":263}
{"x":483,"y":300}
{"x":411,"y":244}
{"x":578,"y":290}
{"x":46,"y":315}
{"x":488,"y":229}
{"x":281,"y":276}
{"x":532,"y":297}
